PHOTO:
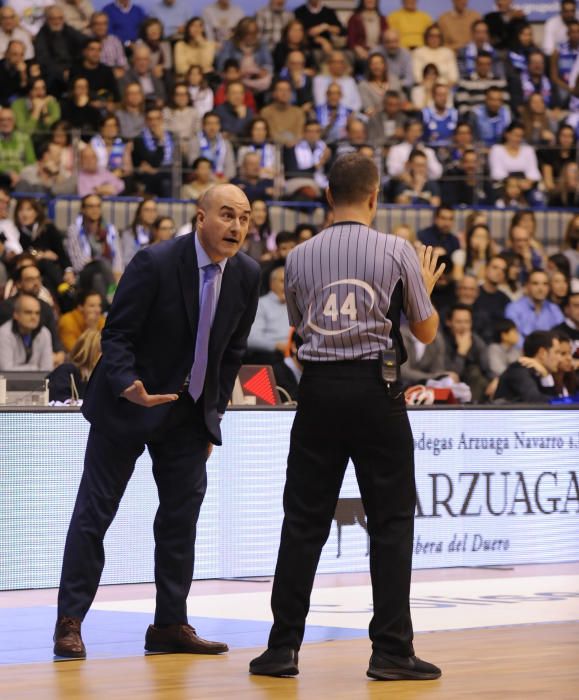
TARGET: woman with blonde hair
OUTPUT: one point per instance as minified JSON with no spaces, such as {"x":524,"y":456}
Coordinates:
{"x":69,"y":380}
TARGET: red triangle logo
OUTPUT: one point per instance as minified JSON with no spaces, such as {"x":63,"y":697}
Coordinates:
{"x":260,"y":385}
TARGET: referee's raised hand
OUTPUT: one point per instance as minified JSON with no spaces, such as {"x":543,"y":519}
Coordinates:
{"x":428,"y":266}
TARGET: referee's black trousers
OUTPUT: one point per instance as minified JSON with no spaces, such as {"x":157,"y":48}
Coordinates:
{"x":344,"y":411}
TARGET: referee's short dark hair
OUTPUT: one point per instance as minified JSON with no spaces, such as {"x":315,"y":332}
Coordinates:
{"x":353,"y":177}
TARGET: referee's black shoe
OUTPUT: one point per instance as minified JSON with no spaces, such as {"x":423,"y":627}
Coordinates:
{"x":275,"y":662}
{"x":384,"y":667}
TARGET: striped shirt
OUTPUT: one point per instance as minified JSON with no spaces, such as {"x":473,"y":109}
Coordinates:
{"x":339,"y":289}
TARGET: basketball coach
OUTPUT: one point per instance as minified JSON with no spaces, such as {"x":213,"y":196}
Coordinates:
{"x":172,"y":346}
{"x":345,"y":291}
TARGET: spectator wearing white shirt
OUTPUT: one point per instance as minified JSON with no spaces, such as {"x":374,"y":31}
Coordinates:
{"x":220,"y":20}
{"x":7,"y":227}
{"x":513,"y":157}
{"x":338,"y":73}
{"x":31,"y":13}
{"x":398,"y":155}
{"x":269,"y":334}
{"x":10,"y":31}
{"x":24,"y":343}
{"x":555,"y":31}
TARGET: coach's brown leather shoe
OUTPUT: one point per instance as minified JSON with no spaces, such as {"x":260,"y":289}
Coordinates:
{"x":67,"y":640}
{"x":180,"y":639}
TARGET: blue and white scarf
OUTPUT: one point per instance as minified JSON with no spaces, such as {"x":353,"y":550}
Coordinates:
{"x":151,"y":144}
{"x":529,"y":88}
{"x":110,"y":242}
{"x":338,"y":129}
{"x":469,"y":54}
{"x":215,"y":152}
{"x":266,"y":152}
{"x":115,"y":157}
{"x":567,"y":58}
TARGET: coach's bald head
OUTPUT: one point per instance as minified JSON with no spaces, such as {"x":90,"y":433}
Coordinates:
{"x":223,"y":214}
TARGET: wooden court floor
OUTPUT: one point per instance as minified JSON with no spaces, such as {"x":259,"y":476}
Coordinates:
{"x":524,"y":662}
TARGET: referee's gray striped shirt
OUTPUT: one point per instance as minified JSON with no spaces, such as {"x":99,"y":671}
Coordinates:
{"x":338,"y":289}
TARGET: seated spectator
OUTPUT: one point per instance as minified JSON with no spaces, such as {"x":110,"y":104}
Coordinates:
{"x":94,"y":248}
{"x":410,"y":24}
{"x":511,"y":194}
{"x":61,"y":142}
{"x":180,"y":117}
{"x":398,"y":60}
{"x":35,"y":114}
{"x":555,"y":28}
{"x":77,"y":13}
{"x":10,"y":31}
{"x":533,"y":312}
{"x":253,"y":55}
{"x":398,"y":155}
{"x":479,"y":44}
{"x":27,"y":280}
{"x":288,"y":372}
{"x":515,"y":158}
{"x":210,"y":144}
{"x":354,"y":139}
{"x":131,"y":115}
{"x":513,"y":287}
{"x":490,"y":120}
{"x":479,"y":248}
{"x":434,"y":52}
{"x":503,"y":351}
{"x":271,"y":21}
{"x":44,"y":176}
{"x":258,"y":136}
{"x":203,"y":179}
{"x":69,"y":380}
{"x":304,"y":232}
{"x":231,"y":73}
{"x":467,"y":291}
{"x":305,"y":164}
{"x":439,"y":121}
{"x":552,"y":159}
{"x":260,"y":240}
{"x":530,"y":379}
{"x":174,"y":14}
{"x":302,"y":85}
{"x":284,"y":120}
{"x":532,"y":81}
{"x":456,"y":25}
{"x":25,"y":343}
{"x":57,"y":48}
{"x":268,"y":337}
{"x":220,"y":19}
{"x":464,"y":183}
{"x":333,"y":116}
{"x":413,"y":186}
{"x":566,"y":193}
{"x":151,"y":35}
{"x":472,"y":89}
{"x":439,"y":235}
{"x":154,"y":153}
{"x":490,"y":299}
{"x":386,"y":126}
{"x":421,"y":94}
{"x":11,"y":243}
{"x":141,"y":71}
{"x":562,"y":62}
{"x":194,"y":49}
{"x":125,"y":19}
{"x":570,"y":323}
{"x":365,"y":29}
{"x":321,"y":24}
{"x":112,"y":51}
{"x":504,"y":23}
{"x":250,"y":181}
{"x":112,"y":153}
{"x":338,"y":69}
{"x":13,"y":73}
{"x":423,"y":362}
{"x":560,"y":286}
{"x":140,"y":232}
{"x":234,"y":115}
{"x":87,"y":315}
{"x":93,"y":179}
{"x":538,"y":126}
{"x":294,"y":39}
{"x":163,"y":230}
{"x":77,"y":110}
{"x":521,"y":240}
{"x":16,"y":150}
{"x":285,"y":242}
{"x":201,"y":93}
{"x":40,"y":237}
{"x":567,"y":376}
{"x":104,"y":90}
{"x":518,"y":56}
{"x":571,"y":244}
{"x":466,"y":353}
{"x":376,"y":84}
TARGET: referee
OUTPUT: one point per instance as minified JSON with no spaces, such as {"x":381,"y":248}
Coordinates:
{"x":345,"y":290}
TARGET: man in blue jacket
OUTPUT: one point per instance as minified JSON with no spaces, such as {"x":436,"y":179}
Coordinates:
{"x":172,"y":347}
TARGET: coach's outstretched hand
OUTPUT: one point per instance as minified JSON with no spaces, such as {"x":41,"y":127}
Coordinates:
{"x":138,"y":394}
{"x":428,"y":266}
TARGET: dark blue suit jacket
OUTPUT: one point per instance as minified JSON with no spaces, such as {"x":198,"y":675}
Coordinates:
{"x":150,"y":335}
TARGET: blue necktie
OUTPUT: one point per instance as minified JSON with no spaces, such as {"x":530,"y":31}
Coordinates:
{"x":207,"y":302}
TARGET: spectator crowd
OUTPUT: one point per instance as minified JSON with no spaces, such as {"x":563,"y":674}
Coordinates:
{"x":154,"y":102}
